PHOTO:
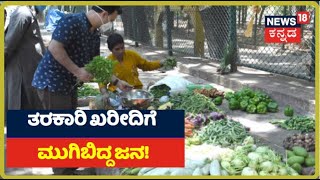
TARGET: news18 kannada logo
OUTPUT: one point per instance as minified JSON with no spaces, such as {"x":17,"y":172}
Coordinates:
{"x":285,"y":29}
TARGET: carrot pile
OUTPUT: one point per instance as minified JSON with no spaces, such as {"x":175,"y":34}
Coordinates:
{"x":188,"y":128}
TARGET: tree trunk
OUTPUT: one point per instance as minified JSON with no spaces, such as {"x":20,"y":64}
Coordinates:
{"x":135,"y":24}
{"x":159,"y":15}
{"x":199,"y":30}
{"x":141,"y":24}
{"x":127,"y":23}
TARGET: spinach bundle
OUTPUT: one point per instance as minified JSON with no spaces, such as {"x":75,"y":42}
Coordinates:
{"x":169,"y":64}
{"x":101,"y":68}
{"x":159,"y":91}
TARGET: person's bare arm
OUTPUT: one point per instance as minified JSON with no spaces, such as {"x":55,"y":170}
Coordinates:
{"x":59,"y":53}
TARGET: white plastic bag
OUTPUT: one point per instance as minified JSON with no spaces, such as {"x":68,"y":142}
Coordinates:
{"x":177,"y":84}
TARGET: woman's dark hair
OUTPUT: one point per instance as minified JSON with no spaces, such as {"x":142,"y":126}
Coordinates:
{"x":109,"y":9}
{"x":113,"y":40}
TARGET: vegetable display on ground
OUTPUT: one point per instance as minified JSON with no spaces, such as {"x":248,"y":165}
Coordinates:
{"x":207,"y":126}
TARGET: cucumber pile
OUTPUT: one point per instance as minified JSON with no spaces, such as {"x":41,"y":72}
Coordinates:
{"x":299,"y":158}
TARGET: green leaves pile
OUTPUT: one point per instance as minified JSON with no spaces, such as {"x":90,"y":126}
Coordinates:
{"x":169,"y":64}
{"x":101,"y":68}
{"x":159,"y":91}
{"x":87,"y":90}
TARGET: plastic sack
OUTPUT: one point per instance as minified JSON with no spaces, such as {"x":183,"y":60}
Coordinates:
{"x":177,"y":84}
{"x":52,"y":18}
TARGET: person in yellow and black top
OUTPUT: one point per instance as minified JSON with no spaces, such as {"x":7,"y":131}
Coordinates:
{"x":128,"y":64}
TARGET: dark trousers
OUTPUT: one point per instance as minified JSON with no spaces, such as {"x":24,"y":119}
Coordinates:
{"x":56,"y":101}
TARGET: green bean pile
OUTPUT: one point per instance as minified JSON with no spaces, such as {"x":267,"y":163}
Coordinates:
{"x":193,"y":103}
{"x":223,"y":132}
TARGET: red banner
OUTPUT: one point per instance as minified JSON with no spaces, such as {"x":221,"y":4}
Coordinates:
{"x":95,"y":152}
{"x":282,"y":35}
